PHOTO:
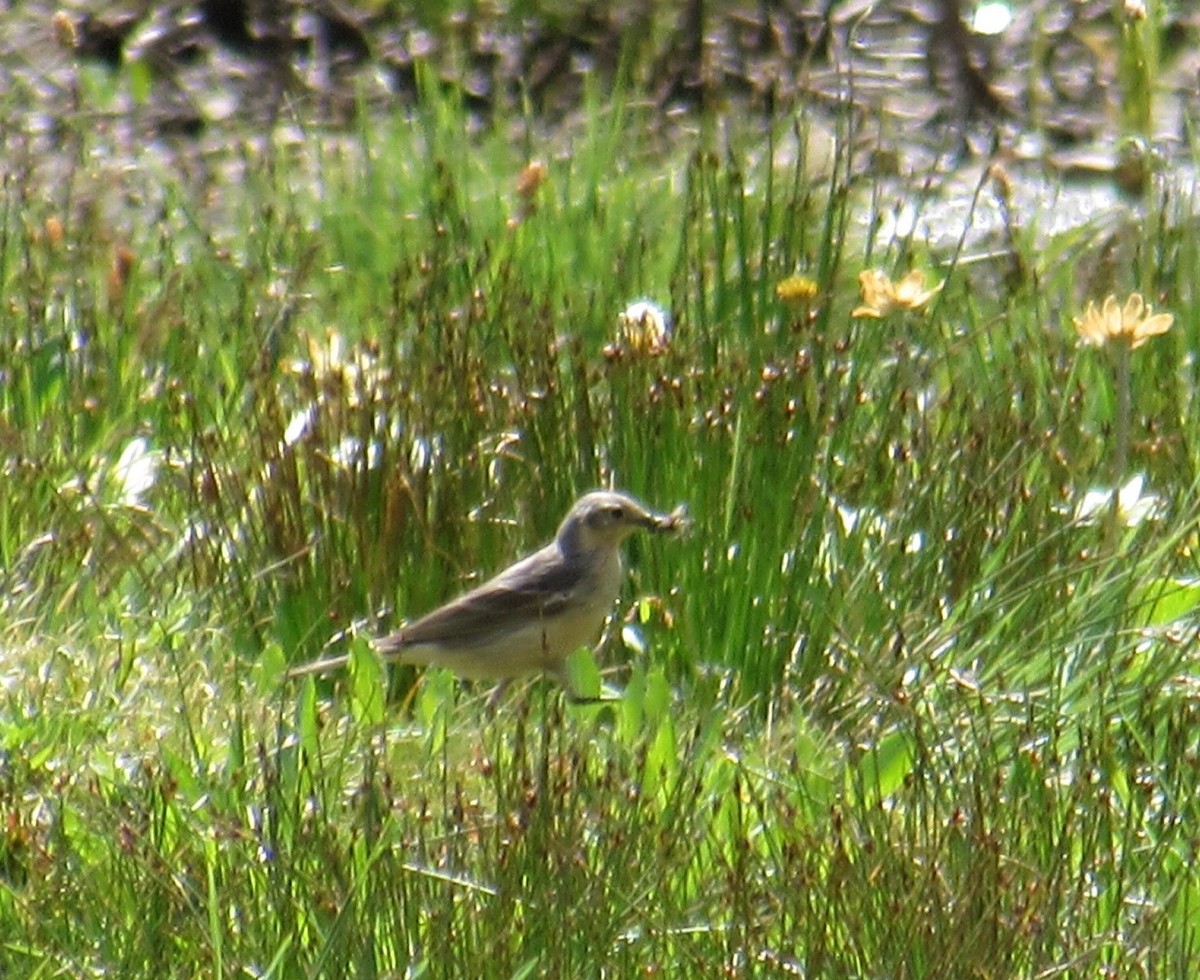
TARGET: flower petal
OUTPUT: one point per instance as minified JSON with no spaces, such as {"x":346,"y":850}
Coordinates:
{"x":1157,"y":324}
{"x":1135,"y":310}
{"x":1090,"y":326}
{"x":1110,"y":316}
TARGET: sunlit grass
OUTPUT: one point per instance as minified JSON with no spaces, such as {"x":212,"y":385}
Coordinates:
{"x":889,"y":710}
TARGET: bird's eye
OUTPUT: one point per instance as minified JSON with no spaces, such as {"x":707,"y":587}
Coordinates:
{"x":616,"y":513}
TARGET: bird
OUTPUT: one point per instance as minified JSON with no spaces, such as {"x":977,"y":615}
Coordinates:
{"x":533,"y":615}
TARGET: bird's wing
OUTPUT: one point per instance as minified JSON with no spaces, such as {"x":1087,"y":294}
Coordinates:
{"x":540,"y":586}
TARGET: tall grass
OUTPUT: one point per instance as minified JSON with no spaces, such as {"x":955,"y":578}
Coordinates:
{"x":890,"y":710}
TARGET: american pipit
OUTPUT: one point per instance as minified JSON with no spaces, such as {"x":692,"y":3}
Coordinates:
{"x":536,"y":613}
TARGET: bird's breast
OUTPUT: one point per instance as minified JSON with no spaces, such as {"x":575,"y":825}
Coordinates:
{"x":605,"y":580}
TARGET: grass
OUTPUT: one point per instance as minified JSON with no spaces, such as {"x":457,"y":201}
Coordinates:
{"x":889,"y":711}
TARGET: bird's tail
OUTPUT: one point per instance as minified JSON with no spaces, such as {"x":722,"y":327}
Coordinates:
{"x":323,"y":666}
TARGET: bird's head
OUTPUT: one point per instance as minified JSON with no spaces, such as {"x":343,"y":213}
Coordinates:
{"x":606,"y":518}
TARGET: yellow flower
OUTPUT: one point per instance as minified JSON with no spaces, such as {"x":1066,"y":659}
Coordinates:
{"x":881,"y":297}
{"x":796,"y":290}
{"x":1131,"y":323}
{"x":340,"y":372}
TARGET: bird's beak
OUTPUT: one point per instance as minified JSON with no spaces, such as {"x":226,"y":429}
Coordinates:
{"x":676,"y":522}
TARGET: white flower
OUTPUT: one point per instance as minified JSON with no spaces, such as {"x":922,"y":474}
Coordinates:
{"x":1133,"y":507}
{"x":851,"y":517}
{"x":991,"y":18}
{"x":645,"y":326}
{"x":1135,"y":9}
{"x":350,"y":452}
{"x":300,"y":425}
{"x":135,"y":471}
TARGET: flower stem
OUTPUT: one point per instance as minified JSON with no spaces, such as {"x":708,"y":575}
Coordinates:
{"x":1124,"y":381}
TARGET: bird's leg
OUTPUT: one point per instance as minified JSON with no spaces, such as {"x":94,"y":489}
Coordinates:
{"x":574,"y":697}
{"x":497,"y":694}
{"x":578,"y":699}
